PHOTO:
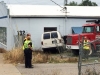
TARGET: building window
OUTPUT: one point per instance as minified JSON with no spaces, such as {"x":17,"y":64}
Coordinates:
{"x":3,"y":35}
{"x":47,"y":29}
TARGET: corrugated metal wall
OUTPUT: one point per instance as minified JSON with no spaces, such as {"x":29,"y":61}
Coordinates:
{"x":35,"y":26}
{"x":4,"y":24}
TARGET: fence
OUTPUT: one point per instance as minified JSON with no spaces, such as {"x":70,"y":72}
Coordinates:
{"x":90,"y":66}
{"x":3,"y":46}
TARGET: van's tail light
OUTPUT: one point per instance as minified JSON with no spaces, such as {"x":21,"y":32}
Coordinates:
{"x":59,"y":40}
{"x":42,"y":43}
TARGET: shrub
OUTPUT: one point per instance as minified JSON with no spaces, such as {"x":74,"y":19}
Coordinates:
{"x":17,"y":56}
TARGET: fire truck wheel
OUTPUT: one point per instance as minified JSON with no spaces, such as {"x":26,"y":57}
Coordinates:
{"x":75,"y":52}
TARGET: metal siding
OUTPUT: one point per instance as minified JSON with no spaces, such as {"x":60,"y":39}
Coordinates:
{"x":74,"y":23}
{"x":35,"y":26}
{"x":4,"y":22}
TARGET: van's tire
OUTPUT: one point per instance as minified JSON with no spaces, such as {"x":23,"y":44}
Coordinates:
{"x":44,"y":50}
{"x":75,"y":52}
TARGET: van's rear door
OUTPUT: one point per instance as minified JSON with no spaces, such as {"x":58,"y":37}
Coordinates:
{"x":54,"y":37}
{"x":47,"y":39}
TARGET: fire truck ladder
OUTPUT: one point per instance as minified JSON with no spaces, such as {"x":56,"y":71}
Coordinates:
{"x":94,"y":21}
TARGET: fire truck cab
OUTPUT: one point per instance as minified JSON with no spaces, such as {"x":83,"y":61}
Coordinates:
{"x":91,"y":30}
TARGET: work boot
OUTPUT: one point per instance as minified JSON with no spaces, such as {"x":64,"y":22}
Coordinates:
{"x":31,"y":67}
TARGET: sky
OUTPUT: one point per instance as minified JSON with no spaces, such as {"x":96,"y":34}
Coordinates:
{"x":42,"y":2}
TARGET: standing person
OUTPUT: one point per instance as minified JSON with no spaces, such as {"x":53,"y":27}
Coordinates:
{"x":86,"y":48}
{"x":28,"y":51}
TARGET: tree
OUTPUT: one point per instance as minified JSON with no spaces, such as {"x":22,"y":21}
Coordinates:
{"x":88,"y":3}
{"x":73,"y":3}
{"x":83,"y":3}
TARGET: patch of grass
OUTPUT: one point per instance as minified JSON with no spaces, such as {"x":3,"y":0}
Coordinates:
{"x":39,"y":57}
{"x":17,"y":56}
{"x":14,"y":56}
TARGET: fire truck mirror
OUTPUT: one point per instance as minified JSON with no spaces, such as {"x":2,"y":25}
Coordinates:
{"x":98,"y":28}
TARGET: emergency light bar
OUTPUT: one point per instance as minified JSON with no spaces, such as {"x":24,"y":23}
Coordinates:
{"x":94,"y":21}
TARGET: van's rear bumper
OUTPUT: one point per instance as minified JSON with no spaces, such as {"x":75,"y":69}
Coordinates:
{"x":72,"y":46}
{"x":51,"y":46}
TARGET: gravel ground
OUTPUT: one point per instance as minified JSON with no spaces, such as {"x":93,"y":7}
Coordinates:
{"x":49,"y":69}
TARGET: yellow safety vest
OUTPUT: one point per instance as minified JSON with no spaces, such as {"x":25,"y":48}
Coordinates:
{"x":85,"y":45}
{"x":26,"y":44}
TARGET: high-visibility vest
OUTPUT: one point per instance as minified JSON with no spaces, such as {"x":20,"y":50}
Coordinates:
{"x":85,"y":45}
{"x":26,"y":42}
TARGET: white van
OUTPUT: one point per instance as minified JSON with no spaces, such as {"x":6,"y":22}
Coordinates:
{"x":52,"y":39}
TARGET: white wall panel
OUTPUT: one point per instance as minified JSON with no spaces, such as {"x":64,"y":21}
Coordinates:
{"x":4,"y":22}
{"x":35,"y":26}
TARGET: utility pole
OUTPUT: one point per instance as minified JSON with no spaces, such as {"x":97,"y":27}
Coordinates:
{"x":65,"y":2}
{"x":82,"y":1}
{"x":65,"y":10}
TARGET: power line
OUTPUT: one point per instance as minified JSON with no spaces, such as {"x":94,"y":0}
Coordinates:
{"x":56,"y":3}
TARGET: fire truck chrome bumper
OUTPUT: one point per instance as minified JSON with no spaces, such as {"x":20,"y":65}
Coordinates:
{"x":72,"y":47}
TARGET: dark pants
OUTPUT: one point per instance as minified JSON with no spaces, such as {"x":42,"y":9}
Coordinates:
{"x":85,"y":54}
{"x":28,"y":57}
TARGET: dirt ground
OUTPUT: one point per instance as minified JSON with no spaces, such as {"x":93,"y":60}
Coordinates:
{"x":50,"y":69}
{"x":1,"y":58}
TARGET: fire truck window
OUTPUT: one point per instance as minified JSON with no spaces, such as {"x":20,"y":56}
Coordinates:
{"x":88,"y":29}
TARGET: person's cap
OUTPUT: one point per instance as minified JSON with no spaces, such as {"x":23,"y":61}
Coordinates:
{"x":28,"y":34}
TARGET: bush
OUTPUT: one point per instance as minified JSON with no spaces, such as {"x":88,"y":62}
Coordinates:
{"x":17,"y":56}
{"x":14,"y":56}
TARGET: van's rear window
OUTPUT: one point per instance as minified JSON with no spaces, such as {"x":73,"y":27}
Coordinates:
{"x":46,"y":36}
{"x":54,"y":35}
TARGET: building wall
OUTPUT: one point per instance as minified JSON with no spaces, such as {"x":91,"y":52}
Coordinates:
{"x":74,"y":22}
{"x":35,"y":26}
{"x":4,"y":22}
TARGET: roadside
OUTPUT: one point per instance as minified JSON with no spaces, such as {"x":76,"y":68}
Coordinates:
{"x":50,"y":64}
{"x":7,"y":69}
{"x":50,"y":69}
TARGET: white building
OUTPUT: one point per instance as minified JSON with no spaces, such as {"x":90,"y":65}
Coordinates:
{"x":36,"y":19}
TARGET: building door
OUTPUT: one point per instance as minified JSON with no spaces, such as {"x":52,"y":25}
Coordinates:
{"x":47,"y":29}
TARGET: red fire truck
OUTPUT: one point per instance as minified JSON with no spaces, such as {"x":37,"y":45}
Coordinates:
{"x":91,"y":30}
